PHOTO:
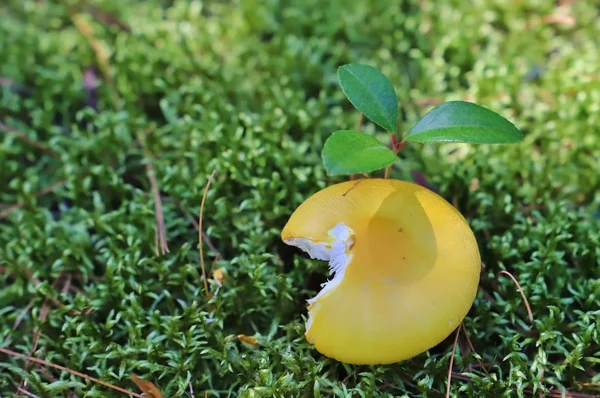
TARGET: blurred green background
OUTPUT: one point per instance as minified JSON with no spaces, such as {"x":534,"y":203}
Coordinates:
{"x":98,"y":96}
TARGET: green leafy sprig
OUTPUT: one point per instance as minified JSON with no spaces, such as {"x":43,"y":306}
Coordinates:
{"x":353,"y":152}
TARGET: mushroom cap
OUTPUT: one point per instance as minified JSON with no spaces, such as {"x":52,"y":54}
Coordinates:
{"x":405,"y":267}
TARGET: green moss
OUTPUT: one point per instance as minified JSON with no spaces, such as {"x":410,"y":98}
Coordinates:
{"x":249,"y":89}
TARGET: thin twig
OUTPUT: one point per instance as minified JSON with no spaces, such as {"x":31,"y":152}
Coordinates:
{"x":102,"y":58}
{"x":104,"y":17}
{"x":565,"y":19}
{"x":210,"y":245}
{"x":205,"y":237}
{"x":529,"y":390}
{"x":569,"y":394}
{"x":71,"y":371}
{"x":46,"y":373}
{"x":452,"y":363}
{"x":473,"y":349}
{"x":36,"y":338}
{"x":43,"y":317}
{"x":7,"y":211}
{"x":21,"y":390}
{"x":23,"y":314}
{"x":192,"y":391}
{"x":67,"y":285}
{"x":460,"y":376}
{"x":200,"y":216}
{"x":42,"y":147}
{"x":529,"y":313}
{"x":158,"y":207}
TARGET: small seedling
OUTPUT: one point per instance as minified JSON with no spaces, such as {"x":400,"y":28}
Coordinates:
{"x":353,"y":152}
{"x":404,"y":262}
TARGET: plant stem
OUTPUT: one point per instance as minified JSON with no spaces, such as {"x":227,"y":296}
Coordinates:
{"x":358,"y":128}
{"x":452,"y":362}
{"x":200,"y":218}
{"x":396,"y":147}
{"x":44,"y":148}
{"x":386,"y":174}
{"x":71,"y":371}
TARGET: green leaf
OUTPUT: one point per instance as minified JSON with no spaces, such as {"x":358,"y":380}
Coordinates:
{"x":459,"y":121}
{"x":352,"y":152}
{"x":371,"y":93}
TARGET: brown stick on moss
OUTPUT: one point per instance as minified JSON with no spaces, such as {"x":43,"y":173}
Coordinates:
{"x":71,"y":371}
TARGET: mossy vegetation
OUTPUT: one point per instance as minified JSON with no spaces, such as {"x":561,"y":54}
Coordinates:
{"x":249,"y":89}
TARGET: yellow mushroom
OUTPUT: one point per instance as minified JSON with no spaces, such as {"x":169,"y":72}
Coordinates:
{"x":404,"y":264}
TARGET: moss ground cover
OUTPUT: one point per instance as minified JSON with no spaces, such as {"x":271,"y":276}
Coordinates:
{"x":97,"y":98}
